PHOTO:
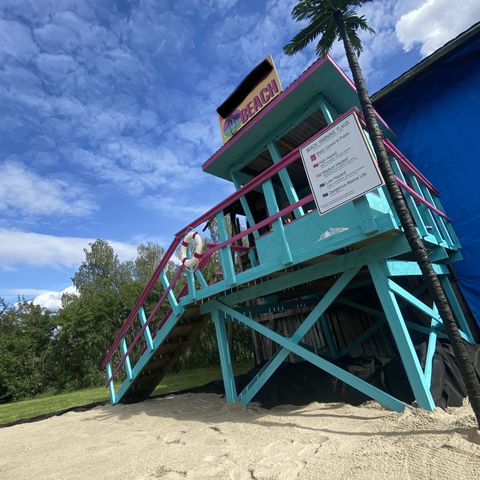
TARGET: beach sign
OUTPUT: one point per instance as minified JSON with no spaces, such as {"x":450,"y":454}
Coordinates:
{"x":340,"y":164}
{"x":255,"y":91}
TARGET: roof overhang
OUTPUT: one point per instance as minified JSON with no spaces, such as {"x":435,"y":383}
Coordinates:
{"x":324,"y":77}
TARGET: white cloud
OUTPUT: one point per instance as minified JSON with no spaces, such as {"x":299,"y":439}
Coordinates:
{"x":30,"y":248}
{"x":16,"y":40}
{"x":55,"y":66}
{"x":52,"y":300}
{"x":24,"y":192}
{"x":435,"y":22}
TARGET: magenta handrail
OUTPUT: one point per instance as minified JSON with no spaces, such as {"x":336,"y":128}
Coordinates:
{"x":418,"y":197}
{"x":409,"y":165}
{"x":141,"y":299}
{"x":267,"y":174}
{"x":255,"y":182}
{"x":153,"y":313}
{"x":145,"y":325}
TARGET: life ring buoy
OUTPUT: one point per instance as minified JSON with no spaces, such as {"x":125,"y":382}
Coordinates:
{"x":194,"y":260}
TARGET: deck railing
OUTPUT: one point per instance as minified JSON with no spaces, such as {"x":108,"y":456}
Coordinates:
{"x":422,"y":197}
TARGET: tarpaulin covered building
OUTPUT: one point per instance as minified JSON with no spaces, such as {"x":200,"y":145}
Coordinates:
{"x":434,"y":108}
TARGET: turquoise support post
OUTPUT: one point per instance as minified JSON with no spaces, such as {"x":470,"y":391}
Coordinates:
{"x":192,"y":291}
{"x":401,"y":335}
{"x":430,"y":217}
{"x":457,"y":309}
{"x":128,"y":365}
{"x":171,"y":296}
{"x":146,"y":332}
{"x":226,"y":260}
{"x":420,"y":224}
{"x":225,"y":359}
{"x":278,"y":227}
{"x":326,"y":110}
{"x":201,"y":279}
{"x":432,"y":343}
{"x":440,"y":221}
{"x":111,"y":385}
{"x":448,"y":225}
{"x":245,"y":206}
{"x":284,"y":176}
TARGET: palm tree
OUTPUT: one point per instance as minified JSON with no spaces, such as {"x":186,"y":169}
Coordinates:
{"x":336,"y":19}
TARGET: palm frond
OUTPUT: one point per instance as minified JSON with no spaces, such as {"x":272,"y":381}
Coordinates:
{"x":321,"y":15}
{"x":326,"y":42}
{"x":355,"y":22}
{"x":318,"y":26}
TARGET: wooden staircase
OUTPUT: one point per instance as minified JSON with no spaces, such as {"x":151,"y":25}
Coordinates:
{"x":177,"y":342}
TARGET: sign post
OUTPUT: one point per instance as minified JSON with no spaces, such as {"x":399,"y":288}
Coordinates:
{"x":340,"y":164}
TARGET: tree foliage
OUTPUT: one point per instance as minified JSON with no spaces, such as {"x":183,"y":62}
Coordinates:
{"x":53,"y":351}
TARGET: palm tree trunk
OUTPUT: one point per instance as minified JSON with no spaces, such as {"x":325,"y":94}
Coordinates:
{"x":416,"y":244}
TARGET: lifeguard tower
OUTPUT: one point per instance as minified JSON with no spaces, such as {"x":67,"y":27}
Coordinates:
{"x":286,"y":255}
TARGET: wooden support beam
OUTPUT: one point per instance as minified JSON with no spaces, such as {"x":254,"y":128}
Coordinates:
{"x":225,"y":358}
{"x":401,"y":335}
{"x":143,"y":320}
{"x":291,"y":346}
{"x":285,"y":179}
{"x":111,"y":385}
{"x":401,"y":268}
{"x":128,"y":365}
{"x":277,"y":225}
{"x":225,"y":253}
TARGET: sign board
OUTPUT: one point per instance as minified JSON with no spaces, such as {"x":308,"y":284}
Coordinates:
{"x":340,"y":164}
{"x":256,"y":91}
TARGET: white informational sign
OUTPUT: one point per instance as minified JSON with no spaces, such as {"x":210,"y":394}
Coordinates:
{"x":340,"y":164}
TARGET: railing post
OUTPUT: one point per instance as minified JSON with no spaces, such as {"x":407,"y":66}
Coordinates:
{"x":284,"y":176}
{"x":420,"y":224}
{"x":111,"y":385}
{"x":245,"y":205}
{"x":441,"y":222}
{"x":277,"y":225}
{"x":128,"y":365}
{"x":226,"y":260}
{"x":192,"y":291}
{"x":225,"y":358}
{"x":143,"y":320}
{"x":448,"y":225}
{"x":171,"y":296}
{"x":429,"y":215}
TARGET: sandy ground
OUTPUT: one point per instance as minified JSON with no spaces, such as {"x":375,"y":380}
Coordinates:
{"x":198,"y":436}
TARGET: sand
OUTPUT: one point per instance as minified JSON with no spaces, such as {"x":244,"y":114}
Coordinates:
{"x":199,"y":436}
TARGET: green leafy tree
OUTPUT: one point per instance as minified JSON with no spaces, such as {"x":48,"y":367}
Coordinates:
{"x":25,"y":335}
{"x":329,"y":20}
{"x":88,"y":321}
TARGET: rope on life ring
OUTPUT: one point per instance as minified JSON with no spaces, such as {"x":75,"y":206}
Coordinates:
{"x":191,"y":262}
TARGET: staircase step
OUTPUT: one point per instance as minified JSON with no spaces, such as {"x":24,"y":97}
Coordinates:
{"x":177,"y":342}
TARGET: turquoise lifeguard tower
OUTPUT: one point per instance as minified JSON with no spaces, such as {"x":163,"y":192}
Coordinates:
{"x":289,"y":256}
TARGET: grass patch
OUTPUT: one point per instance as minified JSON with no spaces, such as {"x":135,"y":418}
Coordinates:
{"x":44,"y":404}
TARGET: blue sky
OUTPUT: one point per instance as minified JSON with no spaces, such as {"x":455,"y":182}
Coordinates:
{"x":108,"y":112}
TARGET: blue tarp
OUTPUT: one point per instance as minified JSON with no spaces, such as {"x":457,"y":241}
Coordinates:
{"x":437,"y":119}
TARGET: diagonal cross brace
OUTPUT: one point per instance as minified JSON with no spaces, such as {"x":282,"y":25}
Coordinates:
{"x":291,"y":345}
{"x":364,"y":387}
{"x":269,"y":368}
